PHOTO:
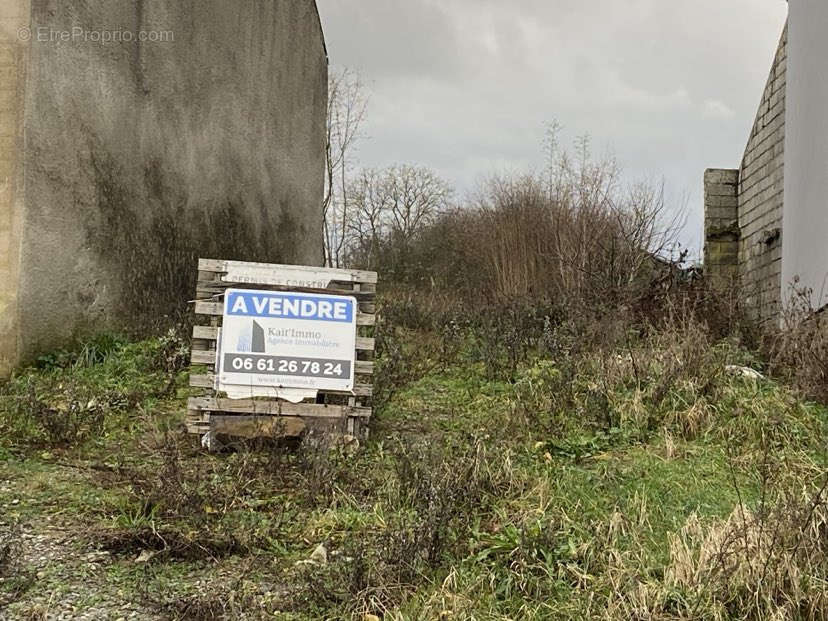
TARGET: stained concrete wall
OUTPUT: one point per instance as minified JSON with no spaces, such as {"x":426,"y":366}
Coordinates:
{"x":805,"y":245}
{"x":205,"y":139}
{"x":743,"y":207}
{"x":14,"y":19}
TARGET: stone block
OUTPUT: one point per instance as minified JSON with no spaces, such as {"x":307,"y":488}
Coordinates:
{"x":731,"y":202}
{"x":721,"y":252}
{"x":721,"y":175}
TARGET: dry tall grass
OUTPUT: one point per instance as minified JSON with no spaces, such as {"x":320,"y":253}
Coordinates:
{"x":799,"y":350}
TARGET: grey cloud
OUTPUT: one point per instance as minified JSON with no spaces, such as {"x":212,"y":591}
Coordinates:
{"x":464,"y":86}
{"x":389,"y":38}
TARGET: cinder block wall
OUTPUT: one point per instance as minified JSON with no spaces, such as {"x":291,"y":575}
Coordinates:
{"x":721,"y":225}
{"x":761,"y":193}
{"x":743,"y":207}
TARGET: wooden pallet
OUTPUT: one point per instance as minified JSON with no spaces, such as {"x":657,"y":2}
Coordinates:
{"x":332,"y":411}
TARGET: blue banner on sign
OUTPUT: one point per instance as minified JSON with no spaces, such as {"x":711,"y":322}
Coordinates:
{"x":286,"y":306}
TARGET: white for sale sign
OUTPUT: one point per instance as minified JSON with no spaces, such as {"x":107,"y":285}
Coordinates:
{"x":287,"y":340}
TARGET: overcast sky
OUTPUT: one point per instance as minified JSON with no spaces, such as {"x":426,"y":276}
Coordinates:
{"x":466,"y":86}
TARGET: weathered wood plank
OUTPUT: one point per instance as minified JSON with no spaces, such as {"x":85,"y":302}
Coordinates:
{"x":219,"y":265}
{"x":208,"y":289}
{"x":202,"y":381}
{"x":205,"y":332}
{"x":197,"y":344}
{"x":203,"y":356}
{"x":196,"y":422}
{"x":364,"y":367}
{"x":251,"y":427}
{"x":364,"y":319}
{"x":209,"y":308}
{"x":275,"y":408}
{"x":364,"y":343}
{"x":196,"y":416}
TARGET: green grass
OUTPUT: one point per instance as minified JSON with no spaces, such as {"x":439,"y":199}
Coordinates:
{"x":555,"y":492}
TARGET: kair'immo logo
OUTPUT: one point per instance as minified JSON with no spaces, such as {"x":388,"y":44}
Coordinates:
{"x":258,"y":344}
{"x":253,"y":341}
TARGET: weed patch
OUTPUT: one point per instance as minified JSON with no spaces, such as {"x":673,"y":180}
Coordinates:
{"x":15,"y":577}
{"x":525,"y":462}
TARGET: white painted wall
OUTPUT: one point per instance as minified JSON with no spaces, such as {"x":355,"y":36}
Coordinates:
{"x":805,"y":219}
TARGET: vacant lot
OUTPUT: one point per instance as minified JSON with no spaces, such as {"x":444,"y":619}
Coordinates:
{"x":520,"y":466}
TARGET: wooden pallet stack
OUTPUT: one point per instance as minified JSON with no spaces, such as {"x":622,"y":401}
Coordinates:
{"x":345,"y":413}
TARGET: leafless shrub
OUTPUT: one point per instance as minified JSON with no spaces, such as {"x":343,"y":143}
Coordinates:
{"x":182,"y":484}
{"x":169,"y":543}
{"x":435,"y":318}
{"x":323,"y":467}
{"x":799,"y":350}
{"x":683,"y":353}
{"x":579,"y":236}
{"x":62,"y":422}
{"x":178,"y":501}
{"x":234,"y":598}
{"x":438,"y":493}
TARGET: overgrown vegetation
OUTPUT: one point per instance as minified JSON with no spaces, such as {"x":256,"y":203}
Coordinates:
{"x":525,"y":462}
{"x":799,"y":352}
{"x":568,"y":425}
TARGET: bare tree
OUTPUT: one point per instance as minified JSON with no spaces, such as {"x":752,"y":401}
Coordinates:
{"x":346,"y":111}
{"x":415,"y":196}
{"x":392,"y":206}
{"x":368,"y":224}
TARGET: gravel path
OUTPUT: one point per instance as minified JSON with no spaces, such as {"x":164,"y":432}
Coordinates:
{"x":67,"y":582}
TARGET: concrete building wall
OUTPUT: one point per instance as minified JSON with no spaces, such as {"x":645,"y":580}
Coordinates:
{"x":743,"y":222}
{"x":14,"y":20}
{"x":141,"y":156}
{"x":805,"y":247}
